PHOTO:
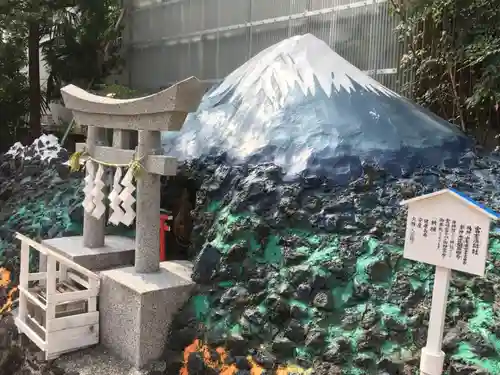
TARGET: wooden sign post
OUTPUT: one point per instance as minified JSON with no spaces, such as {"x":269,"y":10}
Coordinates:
{"x":449,"y":230}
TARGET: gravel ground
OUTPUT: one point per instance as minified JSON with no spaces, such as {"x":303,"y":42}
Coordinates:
{"x":97,"y":361}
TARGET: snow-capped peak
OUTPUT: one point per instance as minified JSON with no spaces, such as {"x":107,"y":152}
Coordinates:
{"x":304,"y":108}
{"x":298,"y":60}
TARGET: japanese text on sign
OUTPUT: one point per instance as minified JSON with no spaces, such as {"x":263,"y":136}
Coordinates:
{"x":449,"y":241}
{"x":446,"y":230}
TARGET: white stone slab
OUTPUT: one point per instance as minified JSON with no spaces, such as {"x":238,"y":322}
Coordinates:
{"x":117,"y":251}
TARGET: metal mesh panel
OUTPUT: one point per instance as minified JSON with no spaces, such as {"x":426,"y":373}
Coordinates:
{"x":298,"y":27}
{"x":144,"y":3}
{"x":172,"y":64}
{"x":174,"y":16}
{"x":322,"y":4}
{"x":298,"y":6}
{"x":162,"y":77}
{"x":388,"y":80}
{"x":184,"y":56}
{"x":392,"y":49}
{"x":196,"y":56}
{"x":194,"y":10}
{"x":233,"y":12}
{"x":211,"y":14}
{"x":264,"y":9}
{"x":209,"y":59}
{"x":143,"y":76}
{"x":320,"y":26}
{"x":140,"y":26}
{"x":233,"y":52}
{"x":267,"y":35}
{"x":211,"y":38}
{"x":133,"y":65}
{"x":157,"y":25}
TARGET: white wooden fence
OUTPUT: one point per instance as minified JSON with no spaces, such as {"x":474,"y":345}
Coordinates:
{"x":57,"y":308}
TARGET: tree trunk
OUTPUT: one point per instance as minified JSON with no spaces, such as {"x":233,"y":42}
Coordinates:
{"x":34,"y":80}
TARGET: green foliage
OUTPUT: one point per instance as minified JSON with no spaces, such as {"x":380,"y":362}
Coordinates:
{"x":453,"y":57}
{"x":13,"y":83}
{"x":83,"y":45}
{"x":79,"y":39}
{"x":115,"y":91}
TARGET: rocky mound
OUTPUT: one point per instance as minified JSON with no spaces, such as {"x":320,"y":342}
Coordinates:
{"x":303,"y":271}
{"x":301,"y":161}
{"x":304,"y":108}
{"x":313,"y":273}
{"x":297,"y":228}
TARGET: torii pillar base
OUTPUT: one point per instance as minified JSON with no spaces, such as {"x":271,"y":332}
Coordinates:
{"x":136,"y":309}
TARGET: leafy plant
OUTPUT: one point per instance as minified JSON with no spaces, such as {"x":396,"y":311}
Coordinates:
{"x":115,"y":91}
{"x":78,"y":39}
{"x":453,"y":57}
{"x":83,"y":44}
{"x":14,"y":103}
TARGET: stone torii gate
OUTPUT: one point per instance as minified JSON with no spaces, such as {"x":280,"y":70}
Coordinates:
{"x":136,"y":304}
{"x":149,"y":115}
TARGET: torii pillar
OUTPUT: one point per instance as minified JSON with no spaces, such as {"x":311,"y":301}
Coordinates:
{"x":136,"y":304}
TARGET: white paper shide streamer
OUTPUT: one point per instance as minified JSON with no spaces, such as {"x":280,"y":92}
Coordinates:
{"x":127,"y":198}
{"x":98,"y":194}
{"x":115,"y":200}
{"x":88,"y":201}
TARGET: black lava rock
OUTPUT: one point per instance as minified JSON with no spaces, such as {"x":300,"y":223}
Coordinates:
{"x":206,"y":265}
{"x":287,"y":269}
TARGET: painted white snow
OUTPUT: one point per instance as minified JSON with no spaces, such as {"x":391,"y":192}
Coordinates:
{"x":298,"y":60}
{"x":263,"y":86}
{"x":300,"y":105}
{"x":46,"y":147}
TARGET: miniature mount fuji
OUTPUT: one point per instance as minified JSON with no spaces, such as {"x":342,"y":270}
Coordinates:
{"x":301,"y":106}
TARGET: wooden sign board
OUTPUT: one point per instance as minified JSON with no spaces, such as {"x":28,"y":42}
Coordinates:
{"x":448,"y":229}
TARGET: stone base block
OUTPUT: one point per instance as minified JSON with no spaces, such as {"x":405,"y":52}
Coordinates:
{"x":136,"y":309}
{"x":117,"y":251}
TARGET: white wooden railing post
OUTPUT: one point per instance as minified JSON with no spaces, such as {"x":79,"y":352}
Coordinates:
{"x":50,"y":312}
{"x":92,"y":301}
{"x":23,"y":280}
{"x":63,"y":272}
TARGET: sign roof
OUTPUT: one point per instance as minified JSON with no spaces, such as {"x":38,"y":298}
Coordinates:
{"x":459,"y":195}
